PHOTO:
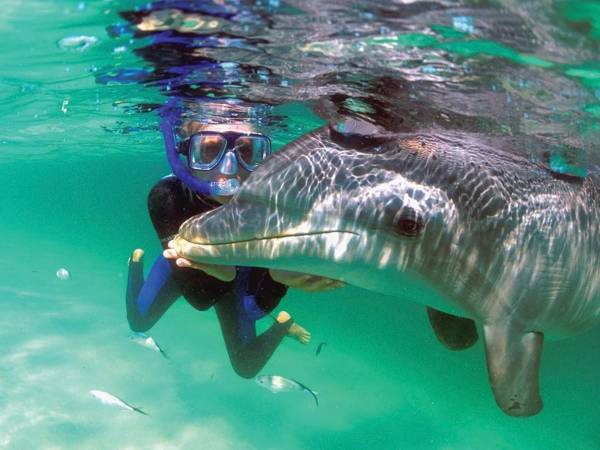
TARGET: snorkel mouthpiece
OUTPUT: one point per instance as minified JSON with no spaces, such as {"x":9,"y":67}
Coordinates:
{"x":225,"y":187}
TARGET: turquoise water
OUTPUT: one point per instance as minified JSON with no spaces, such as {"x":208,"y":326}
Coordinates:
{"x":76,"y":166}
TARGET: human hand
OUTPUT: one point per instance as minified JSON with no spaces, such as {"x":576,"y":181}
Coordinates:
{"x":223,"y":273}
{"x":304,"y":281}
{"x":136,"y":256}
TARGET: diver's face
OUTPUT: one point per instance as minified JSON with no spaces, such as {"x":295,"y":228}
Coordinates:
{"x":227,"y":176}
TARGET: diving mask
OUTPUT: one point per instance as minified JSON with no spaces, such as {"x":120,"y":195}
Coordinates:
{"x":207,"y":149}
{"x":203,"y":155}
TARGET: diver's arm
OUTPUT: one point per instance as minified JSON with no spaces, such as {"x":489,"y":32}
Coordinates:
{"x":148,"y":300}
{"x":169,"y":205}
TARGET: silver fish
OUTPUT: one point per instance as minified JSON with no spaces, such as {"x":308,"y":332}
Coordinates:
{"x":109,"y":399}
{"x":277,"y":384}
{"x":147,"y":341}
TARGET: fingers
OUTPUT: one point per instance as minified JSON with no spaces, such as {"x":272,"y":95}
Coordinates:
{"x":312,"y":283}
{"x":328,"y":285}
{"x":304,"y":281}
{"x":170,"y":253}
{"x":223,"y":273}
{"x":182,"y":262}
{"x":179,"y":261}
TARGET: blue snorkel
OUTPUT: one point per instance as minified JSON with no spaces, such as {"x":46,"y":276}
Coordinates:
{"x":169,"y":114}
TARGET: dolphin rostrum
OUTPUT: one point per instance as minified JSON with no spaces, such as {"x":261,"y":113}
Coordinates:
{"x":448,"y":219}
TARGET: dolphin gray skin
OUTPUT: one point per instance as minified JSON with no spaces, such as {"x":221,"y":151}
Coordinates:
{"x":445,"y":218}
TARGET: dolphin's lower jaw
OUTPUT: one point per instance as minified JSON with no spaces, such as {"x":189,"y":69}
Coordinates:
{"x":301,"y":252}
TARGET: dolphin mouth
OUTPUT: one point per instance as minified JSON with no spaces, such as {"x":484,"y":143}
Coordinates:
{"x":270,"y":238}
{"x":302,"y":251}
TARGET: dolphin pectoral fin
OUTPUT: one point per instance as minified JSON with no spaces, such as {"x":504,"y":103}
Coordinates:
{"x":455,"y":333}
{"x":513,"y":361}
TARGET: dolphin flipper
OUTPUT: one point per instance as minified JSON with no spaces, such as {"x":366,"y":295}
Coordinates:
{"x":455,"y":333}
{"x":513,"y":360}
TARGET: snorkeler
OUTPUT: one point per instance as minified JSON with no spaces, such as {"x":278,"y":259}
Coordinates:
{"x":218,"y":158}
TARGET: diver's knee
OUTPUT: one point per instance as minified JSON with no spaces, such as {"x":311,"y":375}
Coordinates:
{"x":137,"y":327}
{"x":243,"y":371}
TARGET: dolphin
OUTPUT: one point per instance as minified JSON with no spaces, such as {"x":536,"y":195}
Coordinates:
{"x":453,"y":220}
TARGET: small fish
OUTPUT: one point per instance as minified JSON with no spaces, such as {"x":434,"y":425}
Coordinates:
{"x":147,"y":341}
{"x":109,"y":399}
{"x":277,"y":384}
{"x":63,"y":274}
{"x":320,"y":347}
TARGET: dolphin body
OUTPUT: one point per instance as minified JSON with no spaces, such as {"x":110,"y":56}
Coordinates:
{"x":452,"y":220}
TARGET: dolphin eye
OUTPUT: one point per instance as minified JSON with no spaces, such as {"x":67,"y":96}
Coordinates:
{"x":408,"y":224}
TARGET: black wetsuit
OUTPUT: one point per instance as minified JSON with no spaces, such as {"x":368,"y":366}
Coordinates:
{"x":239,"y":303}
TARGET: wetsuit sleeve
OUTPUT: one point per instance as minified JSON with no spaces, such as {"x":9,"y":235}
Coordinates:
{"x":169,"y":205}
{"x":148,"y":301}
{"x":248,"y":353}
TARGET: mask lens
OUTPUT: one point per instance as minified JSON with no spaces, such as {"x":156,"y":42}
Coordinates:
{"x":252,"y":150}
{"x":206,"y":149}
